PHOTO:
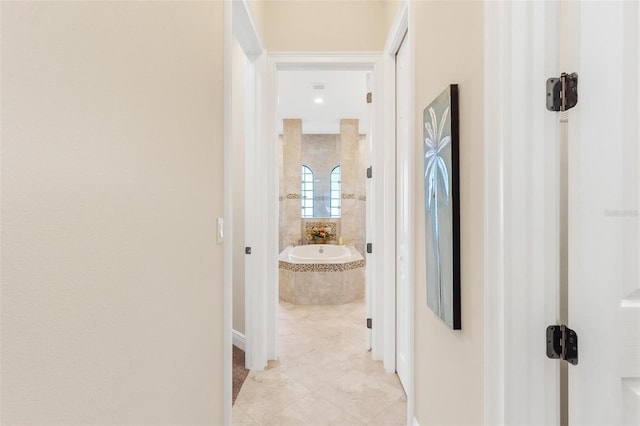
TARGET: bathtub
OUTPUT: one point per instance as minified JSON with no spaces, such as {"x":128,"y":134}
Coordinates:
{"x":321,"y":274}
{"x":319,"y":253}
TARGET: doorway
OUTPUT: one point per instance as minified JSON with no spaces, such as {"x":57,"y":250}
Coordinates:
{"x":553,"y":220}
{"x":310,"y":339}
{"x":261,"y":292}
{"x":324,"y":143}
{"x":376,"y":208}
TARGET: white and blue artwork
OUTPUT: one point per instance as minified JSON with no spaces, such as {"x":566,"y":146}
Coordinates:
{"x":442,"y":206}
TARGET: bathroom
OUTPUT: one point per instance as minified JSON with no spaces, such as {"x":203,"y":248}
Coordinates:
{"x":322,"y":190}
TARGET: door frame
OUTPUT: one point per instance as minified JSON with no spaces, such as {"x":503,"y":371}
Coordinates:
{"x":382,"y":161}
{"x":522,"y":212}
{"x":404,"y":161}
{"x":239,"y":22}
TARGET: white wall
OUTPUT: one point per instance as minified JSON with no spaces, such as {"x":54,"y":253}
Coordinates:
{"x":112,"y":178}
{"x":239,"y":63}
{"x":449,"y":365}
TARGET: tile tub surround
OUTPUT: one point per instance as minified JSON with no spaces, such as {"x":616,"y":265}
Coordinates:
{"x":329,"y":225}
{"x":310,"y":283}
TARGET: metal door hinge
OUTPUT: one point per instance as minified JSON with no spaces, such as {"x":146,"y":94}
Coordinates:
{"x":562,"y":93}
{"x":369,"y":172}
{"x":369,"y":325}
{"x":562,"y":343}
{"x":369,"y":248}
{"x":369,"y":97}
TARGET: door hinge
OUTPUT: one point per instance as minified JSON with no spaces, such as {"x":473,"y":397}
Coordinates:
{"x":369,"y":172}
{"x":369,"y":248}
{"x":562,"y":343}
{"x":369,"y":97}
{"x":369,"y":325}
{"x":562,"y":93}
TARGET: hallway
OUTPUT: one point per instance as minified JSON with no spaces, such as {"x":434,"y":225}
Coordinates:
{"x":324,"y":375}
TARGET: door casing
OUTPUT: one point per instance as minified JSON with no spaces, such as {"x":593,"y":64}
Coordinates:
{"x":378,"y":272}
{"x":238,"y":22}
{"x":522,"y":211}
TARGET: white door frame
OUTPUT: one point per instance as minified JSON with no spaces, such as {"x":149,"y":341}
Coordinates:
{"x":239,"y":22}
{"x":383,"y":307}
{"x":521,"y":212}
{"x":404,"y":212}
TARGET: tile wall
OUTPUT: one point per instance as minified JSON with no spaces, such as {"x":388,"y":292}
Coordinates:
{"x":322,"y":153}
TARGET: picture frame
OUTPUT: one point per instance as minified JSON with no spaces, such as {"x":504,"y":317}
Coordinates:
{"x":441,"y":144}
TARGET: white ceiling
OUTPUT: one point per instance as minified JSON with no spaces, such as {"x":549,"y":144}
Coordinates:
{"x":344,"y":96}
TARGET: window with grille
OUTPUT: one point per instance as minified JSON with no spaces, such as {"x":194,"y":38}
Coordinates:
{"x":336,"y":184}
{"x":306,"y":192}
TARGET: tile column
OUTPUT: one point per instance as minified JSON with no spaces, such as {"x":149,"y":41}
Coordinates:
{"x":350,"y":144}
{"x":292,"y":163}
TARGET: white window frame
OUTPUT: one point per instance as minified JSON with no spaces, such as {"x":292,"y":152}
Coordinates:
{"x":305,"y":172}
{"x":335,"y":202}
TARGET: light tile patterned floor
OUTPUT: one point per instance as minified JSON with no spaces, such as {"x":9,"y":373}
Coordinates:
{"x":324,"y":376}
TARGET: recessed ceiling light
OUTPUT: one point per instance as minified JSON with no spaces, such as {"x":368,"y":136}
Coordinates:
{"x":318,"y":100}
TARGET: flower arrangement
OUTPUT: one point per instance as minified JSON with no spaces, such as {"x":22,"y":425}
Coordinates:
{"x":320,"y":232}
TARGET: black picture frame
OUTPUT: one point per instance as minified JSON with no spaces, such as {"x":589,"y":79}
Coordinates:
{"x":441,"y":142}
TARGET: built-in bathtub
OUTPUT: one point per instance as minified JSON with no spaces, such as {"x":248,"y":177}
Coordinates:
{"x":321,"y":274}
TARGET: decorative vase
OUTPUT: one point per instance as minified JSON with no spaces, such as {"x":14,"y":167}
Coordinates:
{"x":319,"y":240}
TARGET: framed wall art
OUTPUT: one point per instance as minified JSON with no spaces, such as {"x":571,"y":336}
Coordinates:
{"x":442,"y":205}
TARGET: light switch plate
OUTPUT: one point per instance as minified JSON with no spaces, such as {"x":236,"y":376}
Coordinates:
{"x":220,"y":233}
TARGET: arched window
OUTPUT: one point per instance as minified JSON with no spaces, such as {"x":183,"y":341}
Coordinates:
{"x":306,"y":192}
{"x":336,"y":184}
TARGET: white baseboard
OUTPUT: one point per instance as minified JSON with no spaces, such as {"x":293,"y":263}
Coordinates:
{"x":239,"y":340}
{"x":414,"y":422}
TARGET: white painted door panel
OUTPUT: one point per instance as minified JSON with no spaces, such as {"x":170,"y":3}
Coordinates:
{"x":604,"y":235}
{"x":403,"y":215}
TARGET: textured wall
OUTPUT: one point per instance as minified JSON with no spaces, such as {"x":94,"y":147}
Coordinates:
{"x":449,"y":365}
{"x":112,"y":179}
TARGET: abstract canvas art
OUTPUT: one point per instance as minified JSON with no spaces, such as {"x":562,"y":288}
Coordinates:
{"x":442,"y":206}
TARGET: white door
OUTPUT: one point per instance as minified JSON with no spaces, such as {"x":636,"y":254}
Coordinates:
{"x":404,"y":223}
{"x":604,"y":210}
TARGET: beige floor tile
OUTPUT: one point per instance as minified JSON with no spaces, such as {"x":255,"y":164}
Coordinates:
{"x":311,"y":411}
{"x":360,"y":395}
{"x":240,"y":418}
{"x":313,"y":370}
{"x":325,"y":375}
{"x":268,"y":391}
{"x":394,"y":414}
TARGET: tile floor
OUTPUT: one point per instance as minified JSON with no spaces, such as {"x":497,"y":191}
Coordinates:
{"x":324,"y":376}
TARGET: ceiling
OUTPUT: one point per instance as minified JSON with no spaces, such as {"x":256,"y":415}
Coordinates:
{"x":343,"y":96}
